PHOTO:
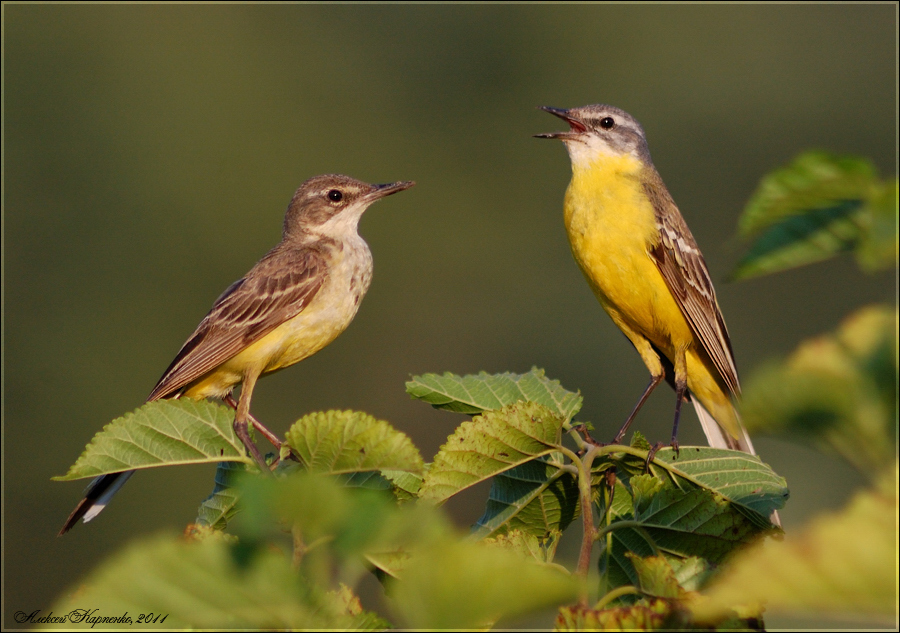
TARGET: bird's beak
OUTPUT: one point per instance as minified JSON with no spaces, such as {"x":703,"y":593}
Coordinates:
{"x":380,"y":191}
{"x":576,"y":127}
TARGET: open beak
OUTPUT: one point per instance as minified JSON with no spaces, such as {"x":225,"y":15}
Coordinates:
{"x":576,"y":127}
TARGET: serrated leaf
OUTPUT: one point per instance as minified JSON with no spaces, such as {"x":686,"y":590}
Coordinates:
{"x":692,"y":572}
{"x":338,"y":442}
{"x":197,"y":585}
{"x":537,"y":497}
{"x":740,"y":477}
{"x":842,"y":564}
{"x":704,"y":504}
{"x":220,"y":506}
{"x":486,"y":392}
{"x":161,"y":433}
{"x":491,"y":444}
{"x":474,"y":586}
{"x":369,"y":480}
{"x":541,"y":550}
{"x":679,"y":524}
{"x":405,"y":485}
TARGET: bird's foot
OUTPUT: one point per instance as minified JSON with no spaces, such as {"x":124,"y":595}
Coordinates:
{"x":240,"y":429}
{"x":655,"y":449}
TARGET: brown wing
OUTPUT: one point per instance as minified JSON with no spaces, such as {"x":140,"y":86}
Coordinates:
{"x":682,"y":266}
{"x":277,"y":289}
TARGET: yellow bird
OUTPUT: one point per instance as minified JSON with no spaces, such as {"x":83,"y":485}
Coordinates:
{"x":293,"y":302}
{"x":643,"y":264}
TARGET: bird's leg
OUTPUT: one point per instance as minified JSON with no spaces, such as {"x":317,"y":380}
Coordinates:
{"x":680,"y":388}
{"x":242,"y":413}
{"x":273,"y":439}
{"x":680,"y":392}
{"x":654,"y":380}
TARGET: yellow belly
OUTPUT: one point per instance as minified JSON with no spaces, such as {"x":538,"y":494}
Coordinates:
{"x":612,"y":227}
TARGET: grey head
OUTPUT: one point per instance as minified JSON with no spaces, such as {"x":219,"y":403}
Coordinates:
{"x":598,"y":130}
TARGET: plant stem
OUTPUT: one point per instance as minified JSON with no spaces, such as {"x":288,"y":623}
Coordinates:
{"x":618,"y":592}
{"x":587,"y":517}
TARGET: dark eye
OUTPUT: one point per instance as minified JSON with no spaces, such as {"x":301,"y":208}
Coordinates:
{"x":607,"y":123}
{"x":335,"y":196}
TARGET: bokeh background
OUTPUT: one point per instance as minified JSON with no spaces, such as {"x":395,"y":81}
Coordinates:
{"x":150,"y":153}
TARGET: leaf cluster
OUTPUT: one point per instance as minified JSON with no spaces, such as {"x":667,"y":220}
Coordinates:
{"x":351,"y":495}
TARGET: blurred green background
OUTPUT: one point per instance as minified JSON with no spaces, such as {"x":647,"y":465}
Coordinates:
{"x":150,"y":153}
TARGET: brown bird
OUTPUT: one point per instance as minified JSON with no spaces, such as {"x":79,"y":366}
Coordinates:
{"x":293,"y":302}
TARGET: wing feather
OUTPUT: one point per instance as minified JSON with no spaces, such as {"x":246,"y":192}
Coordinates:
{"x":684,"y":270}
{"x":276,"y":290}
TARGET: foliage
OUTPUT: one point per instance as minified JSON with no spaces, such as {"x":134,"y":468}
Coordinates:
{"x":676,"y":538}
{"x":838,"y":391}
{"x":162,"y":433}
{"x":817,"y":207}
{"x":839,"y":565}
{"x":343,"y":492}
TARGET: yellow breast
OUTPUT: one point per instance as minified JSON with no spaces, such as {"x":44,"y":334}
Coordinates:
{"x":612,"y":228}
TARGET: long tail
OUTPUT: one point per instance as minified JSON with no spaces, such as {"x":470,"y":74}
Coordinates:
{"x":96,"y":496}
{"x":717,"y":437}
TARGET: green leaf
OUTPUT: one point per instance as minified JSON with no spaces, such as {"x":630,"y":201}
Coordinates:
{"x":743,"y":479}
{"x":491,"y":444}
{"x":816,"y":207}
{"x":702,"y":505}
{"x":353,"y":522}
{"x":879,"y":248}
{"x":369,"y":480}
{"x":315,"y":502}
{"x":538,"y":497}
{"x":197,"y":585}
{"x":814,"y":180}
{"x":405,"y":485}
{"x":815,"y":236}
{"x":541,"y":550}
{"x":161,"y":433}
{"x":842,"y":564}
{"x":458,"y":585}
{"x":656,"y":576}
{"x":837,"y":390}
{"x":221,"y":506}
{"x":339,"y":442}
{"x":364,"y":621}
{"x":485,"y":392}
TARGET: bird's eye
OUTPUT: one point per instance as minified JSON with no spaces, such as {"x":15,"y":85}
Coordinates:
{"x":335,"y":196}
{"x":607,"y":123}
